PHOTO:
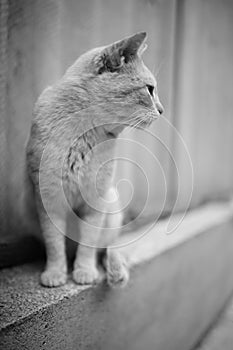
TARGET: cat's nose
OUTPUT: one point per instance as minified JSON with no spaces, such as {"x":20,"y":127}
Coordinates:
{"x":159,"y":107}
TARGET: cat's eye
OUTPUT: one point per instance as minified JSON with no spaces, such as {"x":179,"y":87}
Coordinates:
{"x":150,"y":88}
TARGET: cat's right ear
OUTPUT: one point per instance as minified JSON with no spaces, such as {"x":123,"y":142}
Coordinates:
{"x":115,"y":55}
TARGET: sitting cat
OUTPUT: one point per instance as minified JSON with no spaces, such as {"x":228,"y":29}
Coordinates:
{"x":74,"y":128}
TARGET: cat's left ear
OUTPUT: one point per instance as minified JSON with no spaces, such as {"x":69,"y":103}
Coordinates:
{"x":114,"y":56}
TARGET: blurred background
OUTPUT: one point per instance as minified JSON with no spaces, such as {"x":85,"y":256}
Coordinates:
{"x":190,"y":50}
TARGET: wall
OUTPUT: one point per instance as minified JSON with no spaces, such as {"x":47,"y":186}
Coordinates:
{"x":190,"y":48}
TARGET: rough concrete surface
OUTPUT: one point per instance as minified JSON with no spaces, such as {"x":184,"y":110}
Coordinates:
{"x":169,"y":303}
{"x":21,"y":293}
{"x":220,"y":336}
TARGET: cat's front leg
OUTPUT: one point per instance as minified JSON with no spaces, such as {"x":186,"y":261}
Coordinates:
{"x":115,"y":264}
{"x":55,"y":273}
{"x":116,"y":267}
{"x":85,"y":268}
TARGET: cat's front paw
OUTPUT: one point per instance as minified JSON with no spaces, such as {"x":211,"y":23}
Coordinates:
{"x":117,"y":276}
{"x":85,"y":275}
{"x":53,"y":278}
{"x":116,"y":269}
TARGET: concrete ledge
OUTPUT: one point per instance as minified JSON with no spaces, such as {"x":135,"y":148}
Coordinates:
{"x":171,"y":301}
{"x":220,"y":335}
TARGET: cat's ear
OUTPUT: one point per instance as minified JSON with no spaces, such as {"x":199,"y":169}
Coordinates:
{"x":142,"y":48}
{"x":131,"y":46}
{"x":115,"y":55}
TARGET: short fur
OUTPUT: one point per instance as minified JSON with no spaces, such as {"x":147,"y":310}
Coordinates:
{"x":75,"y":125}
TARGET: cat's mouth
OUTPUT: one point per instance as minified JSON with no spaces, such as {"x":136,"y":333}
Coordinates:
{"x":144,"y":120}
{"x":144,"y":123}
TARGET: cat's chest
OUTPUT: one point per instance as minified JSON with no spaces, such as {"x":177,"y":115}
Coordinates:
{"x":87,"y":164}
{"x":89,"y":174}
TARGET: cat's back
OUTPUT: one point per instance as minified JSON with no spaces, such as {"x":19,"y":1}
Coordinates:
{"x":54,"y":114}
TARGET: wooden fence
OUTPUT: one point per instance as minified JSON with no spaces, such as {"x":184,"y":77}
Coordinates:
{"x":190,"y":47}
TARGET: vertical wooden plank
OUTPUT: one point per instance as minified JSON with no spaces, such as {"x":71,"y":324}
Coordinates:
{"x":91,"y":23}
{"x":77,"y":28}
{"x":33,"y":63}
{"x":215,"y":167}
{"x":46,"y":44}
{"x":19,"y":104}
{"x":3,"y":117}
{"x":203,"y":103}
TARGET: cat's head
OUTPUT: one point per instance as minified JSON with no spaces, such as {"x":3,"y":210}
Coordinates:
{"x":116,"y":79}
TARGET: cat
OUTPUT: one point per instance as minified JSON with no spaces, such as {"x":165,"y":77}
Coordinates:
{"x":74,"y":130}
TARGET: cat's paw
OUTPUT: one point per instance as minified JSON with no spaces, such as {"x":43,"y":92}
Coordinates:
{"x":117,"y":272}
{"x":86,"y":275}
{"x":118,"y":277}
{"x":53,"y":278}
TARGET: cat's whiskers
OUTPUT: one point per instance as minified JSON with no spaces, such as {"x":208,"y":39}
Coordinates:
{"x":138,"y":124}
{"x":152,"y":113}
{"x":134,"y":124}
{"x":144,"y":115}
{"x":141,"y":121}
{"x":135,"y":116}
